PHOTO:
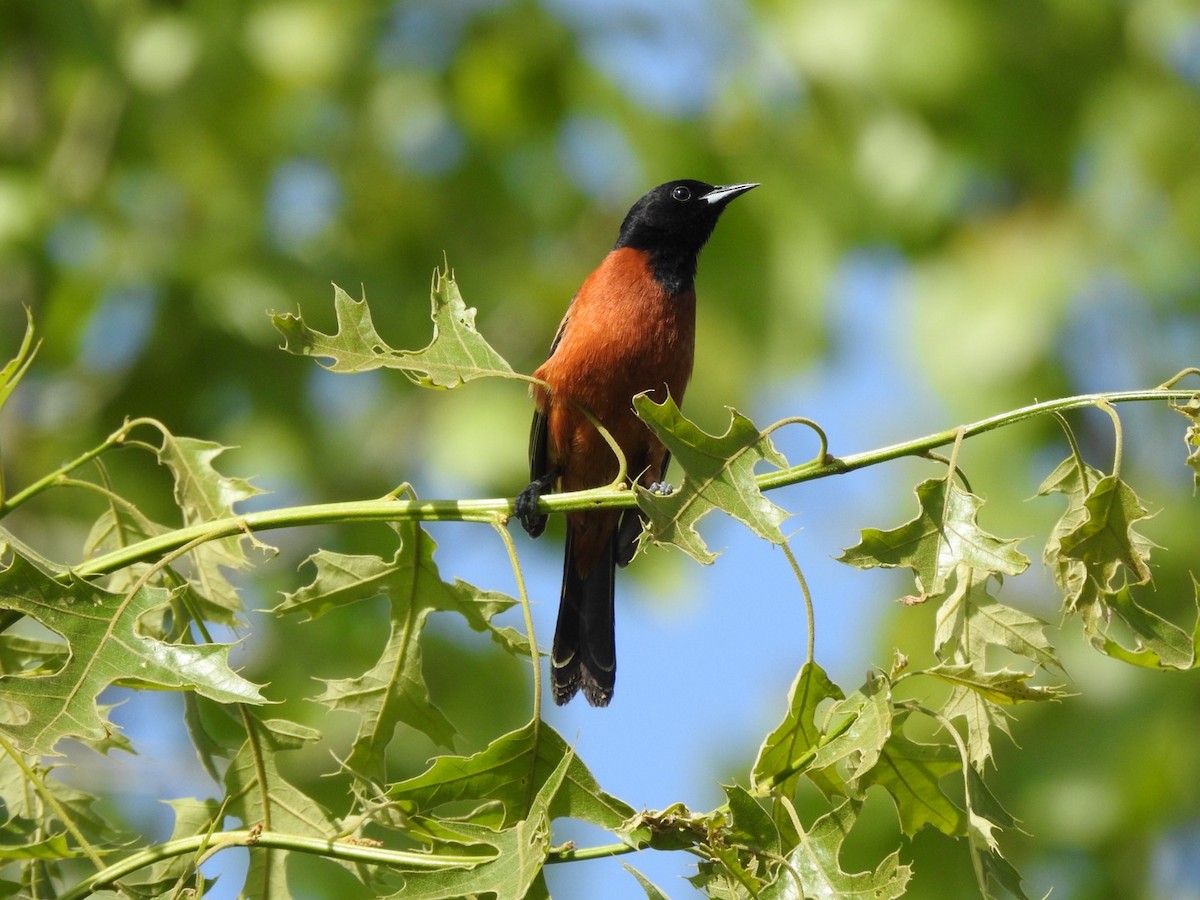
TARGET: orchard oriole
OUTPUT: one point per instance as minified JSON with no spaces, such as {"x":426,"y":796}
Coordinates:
{"x":630,"y":328}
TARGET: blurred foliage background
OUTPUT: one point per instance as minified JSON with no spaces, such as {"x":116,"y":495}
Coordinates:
{"x":966,"y":205}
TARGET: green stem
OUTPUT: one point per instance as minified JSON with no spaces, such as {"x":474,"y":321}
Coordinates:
{"x":250,"y":838}
{"x":810,"y":647}
{"x":1118,"y":437}
{"x":51,"y":801}
{"x":58,"y":475}
{"x":535,"y":657}
{"x":391,"y":510}
{"x":802,"y":762}
{"x":578,"y":854}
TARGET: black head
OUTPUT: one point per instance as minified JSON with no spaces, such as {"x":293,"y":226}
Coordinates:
{"x":672,"y":224}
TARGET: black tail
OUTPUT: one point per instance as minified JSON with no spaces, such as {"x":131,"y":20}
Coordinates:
{"x":585,"y":644}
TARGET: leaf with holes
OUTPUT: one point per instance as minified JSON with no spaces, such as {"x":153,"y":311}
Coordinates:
{"x":508,"y":772}
{"x":911,"y":773}
{"x":510,"y":867}
{"x":718,"y":473}
{"x":815,"y":860}
{"x":106,"y":647}
{"x":456,"y":354}
{"x":393,"y":690}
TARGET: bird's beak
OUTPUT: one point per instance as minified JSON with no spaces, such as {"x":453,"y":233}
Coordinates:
{"x":721,"y":195}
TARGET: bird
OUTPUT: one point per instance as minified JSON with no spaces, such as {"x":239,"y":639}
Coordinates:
{"x":629,"y":329}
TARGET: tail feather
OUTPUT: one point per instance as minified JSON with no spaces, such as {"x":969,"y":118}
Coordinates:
{"x":585,"y":648}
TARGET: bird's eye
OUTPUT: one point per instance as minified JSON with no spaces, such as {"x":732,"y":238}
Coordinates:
{"x":681,"y":193}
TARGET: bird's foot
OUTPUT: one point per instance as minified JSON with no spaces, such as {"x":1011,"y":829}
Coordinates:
{"x":526,"y":506}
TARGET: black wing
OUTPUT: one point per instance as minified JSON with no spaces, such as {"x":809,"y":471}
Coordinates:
{"x":541,"y":478}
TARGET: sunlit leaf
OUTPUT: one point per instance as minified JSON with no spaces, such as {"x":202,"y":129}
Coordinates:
{"x":1158,"y":644}
{"x":979,"y":697}
{"x":257,"y":793}
{"x":513,"y":867}
{"x":393,"y":690}
{"x":19,"y":364}
{"x":1074,"y":480}
{"x":943,"y":535}
{"x":203,"y":495}
{"x":816,"y":861}
{"x":970,"y":620}
{"x":981,"y":717}
{"x":857,"y":729}
{"x":1105,"y":540}
{"x":1006,"y":687}
{"x":794,"y":742}
{"x":101,"y":629}
{"x":508,"y":772}
{"x":718,"y":473}
{"x":1191,"y":437}
{"x":456,"y":354}
{"x":653,"y":891}
{"x":911,"y":773}
{"x":985,"y":816}
{"x":749,"y":824}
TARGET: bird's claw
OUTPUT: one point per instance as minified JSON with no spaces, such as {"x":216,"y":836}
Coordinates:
{"x":661,"y":488}
{"x":526,"y":507}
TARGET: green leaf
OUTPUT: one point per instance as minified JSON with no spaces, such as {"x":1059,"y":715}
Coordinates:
{"x":393,"y":690}
{"x":980,"y":716}
{"x":911,"y":773}
{"x":1092,"y":546}
{"x":740,"y":842}
{"x":1073,"y":479}
{"x":205,"y":495}
{"x":107,"y":647}
{"x":718,"y":473}
{"x":985,"y":816}
{"x":508,"y":772}
{"x":1105,"y":540}
{"x":16,"y":367}
{"x":943,"y":535}
{"x":1191,"y":438}
{"x":1005,"y":686}
{"x":257,"y":793}
{"x":749,"y":824}
{"x":1158,"y":644}
{"x":22,"y":838}
{"x":970,"y":620}
{"x":979,"y":697}
{"x":192,"y":817}
{"x":815,"y":860}
{"x":653,"y":891}
{"x":793,"y":743}
{"x":857,"y":729}
{"x":456,"y":354}
{"x":517,"y":853}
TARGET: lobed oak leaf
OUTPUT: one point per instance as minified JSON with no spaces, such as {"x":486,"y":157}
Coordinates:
{"x":718,"y":473}
{"x":456,"y":354}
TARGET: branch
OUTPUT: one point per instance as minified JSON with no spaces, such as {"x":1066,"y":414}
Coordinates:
{"x":486,"y":511}
{"x":253,"y":837}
